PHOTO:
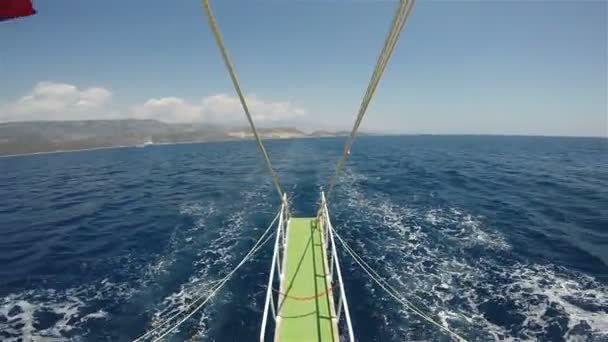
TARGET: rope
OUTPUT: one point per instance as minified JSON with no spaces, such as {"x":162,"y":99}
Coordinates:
{"x":220,"y":44}
{"x":391,"y":290}
{"x":307,"y":298}
{"x":259,"y":243}
{"x":401,"y":14}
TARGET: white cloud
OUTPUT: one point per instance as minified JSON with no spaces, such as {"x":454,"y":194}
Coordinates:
{"x":168,"y":109}
{"x":94,"y":97}
{"x":219,"y":108}
{"x":57,"y":101}
{"x":63,"y":101}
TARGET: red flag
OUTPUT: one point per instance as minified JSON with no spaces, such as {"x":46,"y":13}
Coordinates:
{"x":10,"y":9}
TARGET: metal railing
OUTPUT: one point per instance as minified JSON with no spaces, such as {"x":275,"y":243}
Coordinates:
{"x":334,"y":270}
{"x":276,"y":264}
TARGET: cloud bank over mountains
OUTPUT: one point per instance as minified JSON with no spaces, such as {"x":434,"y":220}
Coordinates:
{"x":218,"y":108}
{"x":57,"y":101}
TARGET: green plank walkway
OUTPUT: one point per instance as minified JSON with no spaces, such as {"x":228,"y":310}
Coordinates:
{"x":305,"y":303}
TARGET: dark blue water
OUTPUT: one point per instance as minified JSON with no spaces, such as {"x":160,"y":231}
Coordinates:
{"x":497,"y":237}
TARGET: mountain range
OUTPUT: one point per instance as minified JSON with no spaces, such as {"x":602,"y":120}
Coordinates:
{"x":48,"y":136}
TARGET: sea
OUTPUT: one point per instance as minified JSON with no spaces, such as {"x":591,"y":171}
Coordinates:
{"x":494,"y":237}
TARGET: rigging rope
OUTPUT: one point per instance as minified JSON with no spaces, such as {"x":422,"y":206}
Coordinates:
{"x":390,"y":289}
{"x":398,"y":22}
{"x":235,"y":82}
{"x":401,"y":13}
{"x":259,"y":243}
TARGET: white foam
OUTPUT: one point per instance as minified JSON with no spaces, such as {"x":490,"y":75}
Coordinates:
{"x":422,"y":250}
{"x":562,"y":289}
{"x":22,"y":314}
{"x":465,"y":229}
{"x":72,"y":307}
{"x":207,"y":270}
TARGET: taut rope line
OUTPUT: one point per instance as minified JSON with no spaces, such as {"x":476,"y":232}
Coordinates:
{"x":401,"y":14}
{"x":235,"y":82}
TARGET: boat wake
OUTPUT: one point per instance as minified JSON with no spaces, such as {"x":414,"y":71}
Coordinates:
{"x":460,"y":270}
{"x":50,"y":315}
{"x":199,"y":251}
{"x":217,"y":251}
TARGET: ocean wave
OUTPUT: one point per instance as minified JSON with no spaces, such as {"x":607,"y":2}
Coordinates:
{"x":551,"y":301}
{"x":424,"y":253}
{"x":55,"y":315}
{"x":217,"y":253}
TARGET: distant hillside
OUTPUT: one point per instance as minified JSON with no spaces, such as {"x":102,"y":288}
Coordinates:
{"x":324,"y":133}
{"x":46,"y":136}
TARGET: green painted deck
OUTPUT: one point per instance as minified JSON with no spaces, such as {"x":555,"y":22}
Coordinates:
{"x":305,"y":271}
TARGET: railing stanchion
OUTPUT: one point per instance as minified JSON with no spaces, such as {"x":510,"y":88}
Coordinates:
{"x":343,"y":303}
{"x":269,"y":299}
{"x":272,"y":309}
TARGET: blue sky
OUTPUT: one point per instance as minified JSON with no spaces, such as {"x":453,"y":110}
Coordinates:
{"x":495,"y":67}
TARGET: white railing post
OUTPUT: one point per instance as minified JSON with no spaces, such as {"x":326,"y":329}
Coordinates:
{"x":332,"y":262}
{"x":285,"y":208}
{"x":272,"y":309}
{"x":269,"y":299}
{"x":343,"y":303}
{"x":278,"y":267}
{"x":279,"y":256}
